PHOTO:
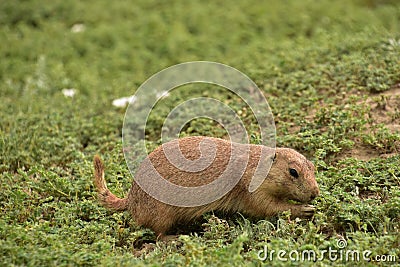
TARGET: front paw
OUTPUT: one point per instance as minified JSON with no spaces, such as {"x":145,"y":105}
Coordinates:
{"x":303,"y":211}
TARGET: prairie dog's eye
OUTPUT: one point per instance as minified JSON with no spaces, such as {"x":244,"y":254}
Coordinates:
{"x":294,"y":173}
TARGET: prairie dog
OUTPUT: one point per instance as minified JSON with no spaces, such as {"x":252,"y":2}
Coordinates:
{"x":291,"y":177}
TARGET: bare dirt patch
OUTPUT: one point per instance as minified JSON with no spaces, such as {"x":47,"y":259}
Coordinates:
{"x":360,"y":152}
{"x":385,"y":108}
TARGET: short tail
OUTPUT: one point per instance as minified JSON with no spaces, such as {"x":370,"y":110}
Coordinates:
{"x":106,"y":198}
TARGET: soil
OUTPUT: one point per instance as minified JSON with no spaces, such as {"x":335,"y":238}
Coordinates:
{"x":385,"y":109}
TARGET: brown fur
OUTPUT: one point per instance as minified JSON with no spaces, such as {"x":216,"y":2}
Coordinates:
{"x":268,"y":200}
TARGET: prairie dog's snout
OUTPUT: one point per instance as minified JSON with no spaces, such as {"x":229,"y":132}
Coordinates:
{"x":291,"y":177}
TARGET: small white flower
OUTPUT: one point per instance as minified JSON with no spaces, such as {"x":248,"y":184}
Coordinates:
{"x":394,"y":42}
{"x":70,"y":92}
{"x":78,"y":28}
{"x":123,"y":101}
{"x":162,"y":94}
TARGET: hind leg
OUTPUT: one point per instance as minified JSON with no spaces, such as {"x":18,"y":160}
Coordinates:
{"x":161,"y":227}
{"x":159,"y":222}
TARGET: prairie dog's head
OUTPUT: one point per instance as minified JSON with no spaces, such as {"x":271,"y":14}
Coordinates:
{"x":291,"y":177}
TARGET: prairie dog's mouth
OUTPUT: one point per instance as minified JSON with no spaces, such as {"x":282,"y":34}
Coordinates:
{"x":293,"y":201}
{"x":298,"y":201}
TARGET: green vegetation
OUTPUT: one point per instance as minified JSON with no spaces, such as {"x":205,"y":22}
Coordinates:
{"x":329,"y":69}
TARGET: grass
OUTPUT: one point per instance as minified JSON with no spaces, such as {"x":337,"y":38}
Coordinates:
{"x":329,"y":69}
